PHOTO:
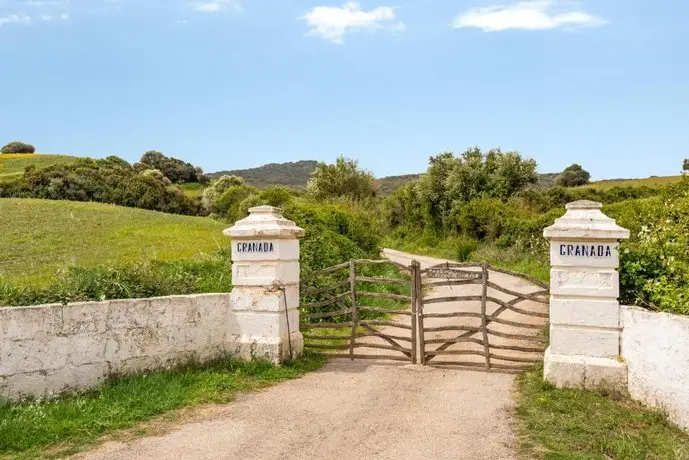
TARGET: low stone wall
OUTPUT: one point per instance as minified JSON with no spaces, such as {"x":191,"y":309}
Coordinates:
{"x":655,"y":347}
{"x":55,"y":348}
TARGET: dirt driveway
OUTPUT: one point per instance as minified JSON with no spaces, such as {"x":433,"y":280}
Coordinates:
{"x":351,"y":410}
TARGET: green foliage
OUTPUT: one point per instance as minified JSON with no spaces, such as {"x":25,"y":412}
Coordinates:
{"x":344,"y":179}
{"x":573,"y":176}
{"x":215,"y":190}
{"x":335,"y":233}
{"x":654,"y":263}
{"x":685,"y":164}
{"x":176,"y":170}
{"x":18,"y":147}
{"x":450,"y":182}
{"x":148,"y":279}
{"x":69,"y":423}
{"x":111,"y":180}
{"x":387,"y":185}
{"x":578,"y":424}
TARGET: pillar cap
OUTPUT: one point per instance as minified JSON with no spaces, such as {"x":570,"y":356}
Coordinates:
{"x":264,"y":222}
{"x":584,"y":220}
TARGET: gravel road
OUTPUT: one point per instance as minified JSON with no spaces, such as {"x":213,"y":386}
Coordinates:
{"x":360,"y":410}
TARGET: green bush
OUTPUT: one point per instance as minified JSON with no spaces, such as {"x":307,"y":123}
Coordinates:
{"x":111,"y":180}
{"x":18,"y":147}
{"x":176,"y":170}
{"x":654,"y":263}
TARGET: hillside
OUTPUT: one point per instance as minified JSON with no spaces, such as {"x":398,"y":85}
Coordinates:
{"x":40,"y":236}
{"x":13,"y":165}
{"x":653,"y":181}
{"x":293,"y":174}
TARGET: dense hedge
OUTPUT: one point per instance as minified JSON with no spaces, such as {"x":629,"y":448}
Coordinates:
{"x":111,"y":180}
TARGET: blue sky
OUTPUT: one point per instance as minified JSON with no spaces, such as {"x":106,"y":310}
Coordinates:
{"x":239,"y":83}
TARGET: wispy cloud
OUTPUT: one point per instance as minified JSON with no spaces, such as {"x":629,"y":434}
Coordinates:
{"x":332,"y":23}
{"x":527,"y":15}
{"x":216,"y":6}
{"x":33,"y":11}
{"x":15,"y":19}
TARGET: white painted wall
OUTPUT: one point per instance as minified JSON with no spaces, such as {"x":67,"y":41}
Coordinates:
{"x":655,"y":347}
{"x":55,"y":348}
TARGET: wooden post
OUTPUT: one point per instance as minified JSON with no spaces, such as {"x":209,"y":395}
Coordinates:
{"x":414,"y":295}
{"x":484,"y":320}
{"x":419,"y":313}
{"x":352,"y":287}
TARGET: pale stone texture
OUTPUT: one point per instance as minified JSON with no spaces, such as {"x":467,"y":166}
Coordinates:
{"x":585,"y":318}
{"x":57,"y":348}
{"x":655,"y":347}
{"x":265,"y":298}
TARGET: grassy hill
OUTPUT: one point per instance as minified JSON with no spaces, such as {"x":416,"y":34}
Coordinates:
{"x":652,"y":181}
{"x":40,"y":236}
{"x":13,"y":165}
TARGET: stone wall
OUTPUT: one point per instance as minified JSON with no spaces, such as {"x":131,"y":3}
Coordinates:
{"x":56,"y":348}
{"x":655,"y":347}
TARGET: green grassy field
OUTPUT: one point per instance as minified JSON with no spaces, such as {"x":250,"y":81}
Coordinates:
{"x":40,"y":236}
{"x":649,"y":182}
{"x":13,"y":165}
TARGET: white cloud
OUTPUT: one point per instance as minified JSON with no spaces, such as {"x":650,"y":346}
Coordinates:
{"x":15,"y":19}
{"x":216,"y":6}
{"x":528,"y":15}
{"x":332,"y":23}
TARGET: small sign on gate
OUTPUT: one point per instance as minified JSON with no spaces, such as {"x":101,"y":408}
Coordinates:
{"x":451,"y":274}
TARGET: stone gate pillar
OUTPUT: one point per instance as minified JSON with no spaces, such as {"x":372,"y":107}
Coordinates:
{"x":265,"y":278}
{"x":585,"y":328}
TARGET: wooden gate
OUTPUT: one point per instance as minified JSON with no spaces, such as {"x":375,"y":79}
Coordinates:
{"x":497,"y":322}
{"x":345,"y":308}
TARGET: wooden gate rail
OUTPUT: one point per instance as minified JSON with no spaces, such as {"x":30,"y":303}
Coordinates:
{"x":341,"y":306}
{"x":349,"y":309}
{"x":455,"y":274}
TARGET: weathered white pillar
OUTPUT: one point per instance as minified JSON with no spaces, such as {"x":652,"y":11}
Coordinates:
{"x":585,"y":328}
{"x":265,"y":278}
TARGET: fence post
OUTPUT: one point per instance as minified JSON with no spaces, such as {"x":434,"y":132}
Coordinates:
{"x":585,"y":328}
{"x":265,"y":278}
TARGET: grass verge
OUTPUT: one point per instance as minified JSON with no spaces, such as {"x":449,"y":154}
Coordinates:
{"x":63,"y":426}
{"x":577,"y":424}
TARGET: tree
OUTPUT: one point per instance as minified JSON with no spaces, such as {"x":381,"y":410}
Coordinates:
{"x":216,"y":189}
{"x":342,"y":179}
{"x":495,"y":174}
{"x":573,"y":176}
{"x":685,"y":165}
{"x":176,"y":170}
{"x":18,"y":147}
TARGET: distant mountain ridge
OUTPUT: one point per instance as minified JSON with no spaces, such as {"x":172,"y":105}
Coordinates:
{"x":292,"y":174}
{"x":296,"y":174}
